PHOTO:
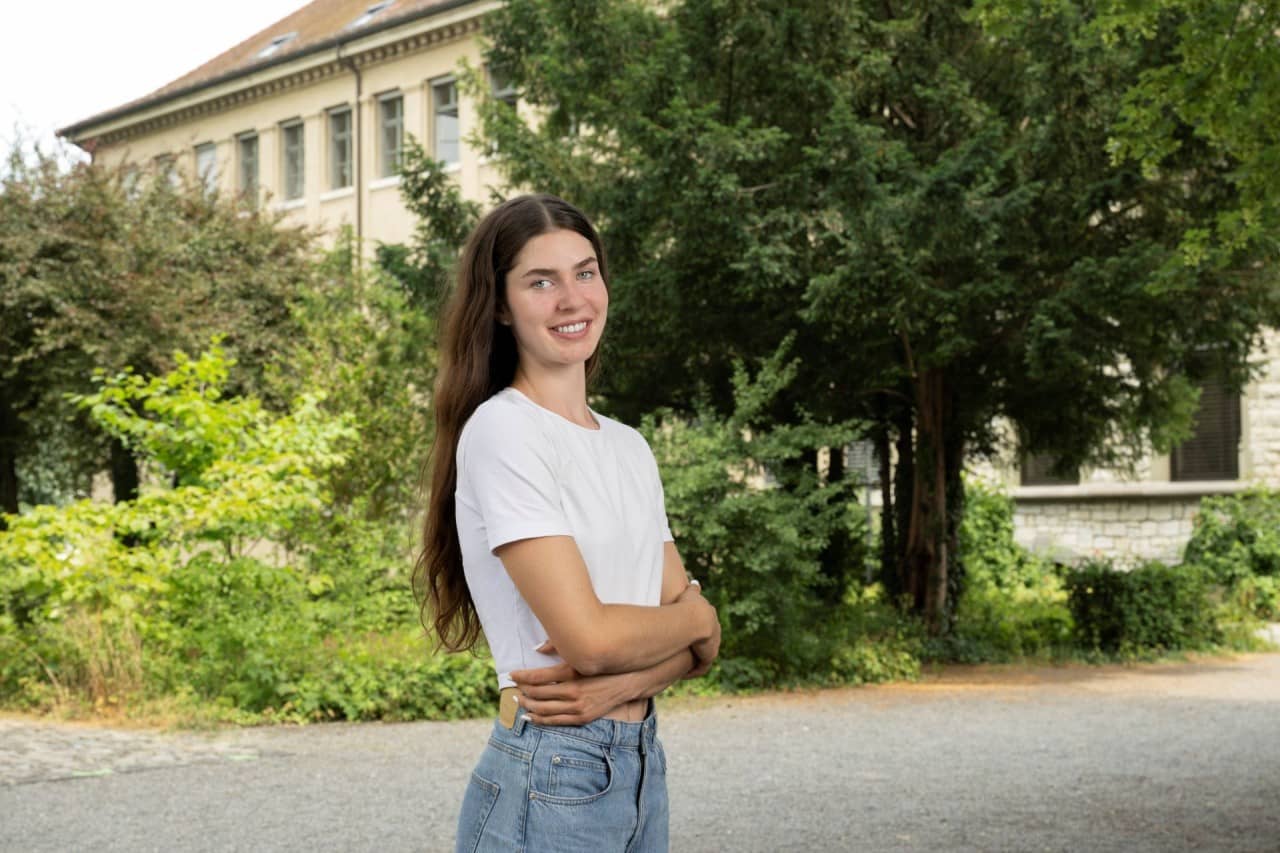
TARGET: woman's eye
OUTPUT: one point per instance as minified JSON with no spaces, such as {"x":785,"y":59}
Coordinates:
{"x":586,"y":275}
{"x":541,"y":284}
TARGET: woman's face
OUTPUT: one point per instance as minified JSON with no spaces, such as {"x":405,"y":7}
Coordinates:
{"x":557,"y":301}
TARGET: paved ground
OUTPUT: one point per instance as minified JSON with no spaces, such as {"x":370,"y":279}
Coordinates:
{"x":1153,"y":758}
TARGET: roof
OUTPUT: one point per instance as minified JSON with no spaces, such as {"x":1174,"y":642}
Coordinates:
{"x":319,"y":25}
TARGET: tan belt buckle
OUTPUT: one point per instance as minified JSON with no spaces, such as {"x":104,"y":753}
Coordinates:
{"x":508,"y":704}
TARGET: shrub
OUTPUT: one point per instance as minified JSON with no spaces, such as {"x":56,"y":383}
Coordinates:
{"x":1013,"y":604}
{"x":1153,"y":607}
{"x":1237,"y":536}
{"x":752,"y":519}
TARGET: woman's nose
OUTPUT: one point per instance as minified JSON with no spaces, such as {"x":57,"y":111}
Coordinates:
{"x":570,"y":298}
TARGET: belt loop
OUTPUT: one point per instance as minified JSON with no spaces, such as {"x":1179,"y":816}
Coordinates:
{"x":517,"y":728}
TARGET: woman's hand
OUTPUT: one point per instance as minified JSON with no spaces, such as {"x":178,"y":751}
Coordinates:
{"x":704,"y":651}
{"x":560,"y":696}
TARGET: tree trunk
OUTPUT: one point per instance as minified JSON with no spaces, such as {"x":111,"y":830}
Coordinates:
{"x":956,"y":571}
{"x":927,"y":557}
{"x":8,"y":460}
{"x":124,"y":472}
{"x":903,"y":488}
{"x":888,"y":529}
{"x":834,"y":560}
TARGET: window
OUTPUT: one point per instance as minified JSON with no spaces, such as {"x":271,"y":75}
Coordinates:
{"x":132,"y":181}
{"x":166,"y":167}
{"x":502,"y":88}
{"x":294,"y":164}
{"x":275,"y":45}
{"x":503,"y":92}
{"x":207,"y":166}
{"x":247,"y":157}
{"x":1036,"y":469}
{"x":369,"y":14}
{"x":444,"y":99}
{"x":1213,"y":451}
{"x":339,"y":148}
{"x":391,"y":134}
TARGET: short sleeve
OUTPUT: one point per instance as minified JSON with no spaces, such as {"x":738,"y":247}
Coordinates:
{"x":509,"y":471}
{"x":663,"y":524}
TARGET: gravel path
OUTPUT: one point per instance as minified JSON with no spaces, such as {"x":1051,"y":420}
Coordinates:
{"x":1151,"y":758}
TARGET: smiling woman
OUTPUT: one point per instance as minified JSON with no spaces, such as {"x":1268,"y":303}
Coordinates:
{"x":546,"y":527}
{"x":557,"y":304}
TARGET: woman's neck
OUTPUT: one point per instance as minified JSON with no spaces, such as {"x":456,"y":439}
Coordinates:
{"x":562,"y":392}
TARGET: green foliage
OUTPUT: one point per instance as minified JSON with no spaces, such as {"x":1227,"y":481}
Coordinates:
{"x":1257,"y":597}
{"x":1152,"y":608}
{"x":1237,"y":536}
{"x":1014,"y":604}
{"x":230,"y":580}
{"x":443,"y":220}
{"x":1221,"y":78}
{"x":922,"y":193}
{"x":97,"y":270}
{"x":752,"y":523}
{"x":370,"y":349}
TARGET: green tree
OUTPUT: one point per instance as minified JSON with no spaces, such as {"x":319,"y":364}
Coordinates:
{"x":100,"y":271}
{"x":443,"y":219}
{"x":922,"y":193}
{"x":1222,"y":84}
{"x":372,"y":350}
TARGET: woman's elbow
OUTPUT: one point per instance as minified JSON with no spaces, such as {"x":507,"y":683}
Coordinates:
{"x":591,"y":657}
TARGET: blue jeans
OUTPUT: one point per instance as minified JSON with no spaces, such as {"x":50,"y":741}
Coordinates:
{"x":596,"y":788}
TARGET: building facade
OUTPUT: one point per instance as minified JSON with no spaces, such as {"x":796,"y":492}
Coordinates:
{"x":1148,"y":513}
{"x":310,"y":116}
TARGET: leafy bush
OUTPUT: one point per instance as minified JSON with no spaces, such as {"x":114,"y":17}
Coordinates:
{"x":1259,"y":597}
{"x":752,"y":520}
{"x":1237,"y":536}
{"x":1153,"y":607}
{"x":1013,"y":604}
{"x":229,"y":579}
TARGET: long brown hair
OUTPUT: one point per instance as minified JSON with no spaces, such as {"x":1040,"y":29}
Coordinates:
{"x":477,"y":360}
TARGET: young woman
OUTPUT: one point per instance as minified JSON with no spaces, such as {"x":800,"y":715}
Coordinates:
{"x":546,"y":529}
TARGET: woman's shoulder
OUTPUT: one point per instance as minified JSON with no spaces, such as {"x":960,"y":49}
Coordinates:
{"x":626,"y":435}
{"x":498,"y":420}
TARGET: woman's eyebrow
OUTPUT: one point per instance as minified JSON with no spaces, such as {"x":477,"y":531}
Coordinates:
{"x":585,"y":262}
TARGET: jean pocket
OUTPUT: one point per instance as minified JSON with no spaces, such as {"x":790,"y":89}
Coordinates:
{"x":576,"y":773}
{"x":662,"y":755}
{"x":477,"y":805}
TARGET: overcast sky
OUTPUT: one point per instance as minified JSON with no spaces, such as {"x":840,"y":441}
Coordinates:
{"x":63,"y":62}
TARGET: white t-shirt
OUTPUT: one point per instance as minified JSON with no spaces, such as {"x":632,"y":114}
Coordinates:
{"x":524,"y":472}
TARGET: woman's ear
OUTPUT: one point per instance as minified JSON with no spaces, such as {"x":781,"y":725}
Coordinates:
{"x":502,"y":315}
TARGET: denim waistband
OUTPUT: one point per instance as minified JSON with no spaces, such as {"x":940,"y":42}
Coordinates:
{"x":604,"y":731}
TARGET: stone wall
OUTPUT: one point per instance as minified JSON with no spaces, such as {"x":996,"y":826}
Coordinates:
{"x":1124,"y":531}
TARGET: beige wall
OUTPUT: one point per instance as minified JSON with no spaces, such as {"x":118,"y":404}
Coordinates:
{"x":385,"y":217}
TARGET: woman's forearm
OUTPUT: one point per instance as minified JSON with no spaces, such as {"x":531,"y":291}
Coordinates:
{"x":631,"y":638}
{"x":651,"y":681}
{"x":560,"y":696}
{"x":600,"y":638}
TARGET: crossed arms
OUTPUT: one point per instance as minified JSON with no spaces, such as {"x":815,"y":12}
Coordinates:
{"x":613,"y":653}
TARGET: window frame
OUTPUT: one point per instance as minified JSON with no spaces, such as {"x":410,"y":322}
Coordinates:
{"x":1188,"y":461}
{"x":345,"y":166}
{"x":290,"y":181}
{"x":449,"y":82}
{"x":390,"y":159}
{"x":248,"y":185}
{"x":207,"y":173}
{"x":1034,"y":470}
